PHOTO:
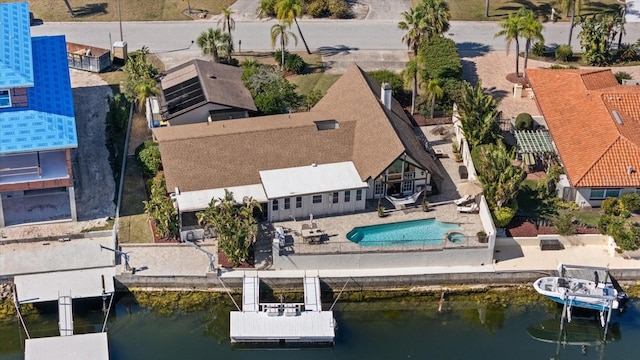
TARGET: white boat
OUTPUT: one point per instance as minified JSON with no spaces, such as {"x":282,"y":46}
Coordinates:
{"x":584,"y":287}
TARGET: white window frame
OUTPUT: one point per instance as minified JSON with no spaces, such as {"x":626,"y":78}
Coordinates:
{"x":8,"y":96}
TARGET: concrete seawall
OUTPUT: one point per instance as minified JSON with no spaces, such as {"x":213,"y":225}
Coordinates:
{"x":213,"y":282}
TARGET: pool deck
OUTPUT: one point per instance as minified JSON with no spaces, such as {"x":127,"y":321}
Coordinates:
{"x":441,"y":207}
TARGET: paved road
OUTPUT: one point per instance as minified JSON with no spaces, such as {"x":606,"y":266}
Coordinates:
{"x":351,"y":34}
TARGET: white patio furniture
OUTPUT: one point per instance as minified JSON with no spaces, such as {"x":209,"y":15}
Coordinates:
{"x":468,"y":209}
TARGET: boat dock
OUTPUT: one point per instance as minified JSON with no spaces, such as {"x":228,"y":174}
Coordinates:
{"x":63,"y":287}
{"x":282,"y":323}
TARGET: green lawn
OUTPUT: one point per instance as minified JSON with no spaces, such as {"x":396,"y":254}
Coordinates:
{"x":317,"y":81}
{"x":134,"y":224}
{"x":130,"y":10}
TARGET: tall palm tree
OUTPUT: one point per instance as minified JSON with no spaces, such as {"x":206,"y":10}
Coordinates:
{"x":69,"y":8}
{"x":415,"y":26}
{"x":211,"y":40}
{"x":288,"y":11}
{"x":279,"y":31}
{"x":433,"y":92}
{"x":531,"y":29}
{"x":437,"y":16}
{"x":571,"y":7}
{"x":511,"y":31}
{"x":228,"y":23}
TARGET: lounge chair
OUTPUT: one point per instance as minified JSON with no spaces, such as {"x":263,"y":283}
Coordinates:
{"x":463,"y":200}
{"x":468,"y":209}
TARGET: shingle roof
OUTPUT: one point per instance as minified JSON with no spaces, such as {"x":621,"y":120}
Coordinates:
{"x":48,"y":122}
{"x":218,"y":83}
{"x":16,"y":68}
{"x":578,"y":106}
{"x":232,"y":152}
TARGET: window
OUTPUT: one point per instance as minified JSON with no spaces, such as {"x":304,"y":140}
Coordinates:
{"x":5,"y":98}
{"x":407,"y":186}
{"x":347,"y":196}
{"x":335,"y":197}
{"x":598,"y":194}
{"x":379,"y":188}
{"x":358,"y":194}
{"x":287,"y":203}
{"x":317,"y":199}
{"x":298,"y":202}
{"x":274,"y":205}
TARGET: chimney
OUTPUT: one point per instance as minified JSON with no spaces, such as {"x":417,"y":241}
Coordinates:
{"x":385,"y":95}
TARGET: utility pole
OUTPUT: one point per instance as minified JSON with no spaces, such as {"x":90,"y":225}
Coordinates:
{"x":120,"y":20}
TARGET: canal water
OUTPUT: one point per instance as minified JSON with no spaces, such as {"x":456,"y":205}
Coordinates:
{"x":406,"y":329}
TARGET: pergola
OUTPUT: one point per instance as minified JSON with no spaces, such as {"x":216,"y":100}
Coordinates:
{"x":534,"y":143}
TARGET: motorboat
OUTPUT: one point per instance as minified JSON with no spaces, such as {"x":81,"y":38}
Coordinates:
{"x":585,"y":287}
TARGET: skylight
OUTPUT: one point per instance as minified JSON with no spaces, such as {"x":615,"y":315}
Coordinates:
{"x":616,"y":116}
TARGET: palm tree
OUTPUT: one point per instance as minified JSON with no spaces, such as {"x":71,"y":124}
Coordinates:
{"x":415,"y":26}
{"x":69,"y":8}
{"x":433,"y":92}
{"x":436,"y":16}
{"x":288,"y":11}
{"x":227,"y":21}
{"x":531,"y":29}
{"x":228,"y":24}
{"x":144,"y":89}
{"x":511,"y":31}
{"x":280,"y":31}
{"x":210,"y":41}
{"x":571,"y":7}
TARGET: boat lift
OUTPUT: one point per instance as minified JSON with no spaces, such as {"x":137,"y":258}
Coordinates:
{"x":125,"y":255}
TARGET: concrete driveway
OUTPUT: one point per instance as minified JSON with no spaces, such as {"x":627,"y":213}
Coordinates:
{"x":386,"y":9}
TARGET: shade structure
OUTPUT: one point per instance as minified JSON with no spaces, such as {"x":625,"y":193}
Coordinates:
{"x":469,"y":187}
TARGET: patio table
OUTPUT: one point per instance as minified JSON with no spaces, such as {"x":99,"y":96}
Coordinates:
{"x":312,"y":235}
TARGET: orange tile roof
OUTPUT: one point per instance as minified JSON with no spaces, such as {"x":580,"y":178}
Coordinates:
{"x":578,"y":106}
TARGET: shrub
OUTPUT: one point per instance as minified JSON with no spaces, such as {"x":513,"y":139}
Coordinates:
{"x":629,"y":202}
{"x":144,"y":145}
{"x":564,"y":53}
{"x":150,"y":160}
{"x":312,"y":98}
{"x":395,"y":80}
{"x":230,"y":61}
{"x":339,"y":9}
{"x":610,"y":206}
{"x":538,"y":49}
{"x":627,"y":52}
{"x":440,"y":58}
{"x":563,"y":224}
{"x":502,"y":217}
{"x":118,"y":115}
{"x":622,"y":75}
{"x":317,"y":8}
{"x":294,"y":63}
{"x":524,"y":121}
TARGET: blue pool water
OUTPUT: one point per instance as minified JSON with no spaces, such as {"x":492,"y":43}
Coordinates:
{"x":415,"y":232}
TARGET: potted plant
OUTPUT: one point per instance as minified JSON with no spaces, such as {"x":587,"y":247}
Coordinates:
{"x":381,"y":211}
{"x":458,"y":157}
{"x":482,"y":236}
{"x":455,"y":147}
{"x":425,"y":205}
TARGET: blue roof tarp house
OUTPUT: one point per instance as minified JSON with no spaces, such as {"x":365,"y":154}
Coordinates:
{"x":37,"y":118}
{"x":40,"y":65}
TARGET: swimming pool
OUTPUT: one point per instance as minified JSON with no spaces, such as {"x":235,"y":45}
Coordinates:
{"x":415,"y":232}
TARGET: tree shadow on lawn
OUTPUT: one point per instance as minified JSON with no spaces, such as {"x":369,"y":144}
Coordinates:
{"x":543,"y":10}
{"x":90,"y":10}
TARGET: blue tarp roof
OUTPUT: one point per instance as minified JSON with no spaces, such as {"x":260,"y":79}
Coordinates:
{"x":48,"y":122}
{"x":16,"y":67}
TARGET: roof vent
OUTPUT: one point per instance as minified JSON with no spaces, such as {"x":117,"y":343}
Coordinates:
{"x":616,"y":116}
{"x":629,"y":170}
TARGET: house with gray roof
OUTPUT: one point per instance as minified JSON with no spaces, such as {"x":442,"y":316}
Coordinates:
{"x":200,"y":91}
{"x":37,"y":122}
{"x":356,"y":144}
